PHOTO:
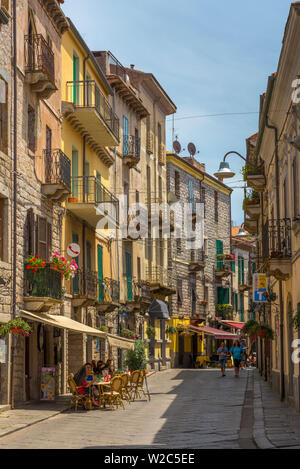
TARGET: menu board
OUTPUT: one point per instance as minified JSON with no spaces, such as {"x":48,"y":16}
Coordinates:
{"x":48,"y":384}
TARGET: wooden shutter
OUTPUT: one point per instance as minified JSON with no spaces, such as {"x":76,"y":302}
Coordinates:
{"x":43,"y":238}
{"x":220,"y":295}
{"x":225,"y":296}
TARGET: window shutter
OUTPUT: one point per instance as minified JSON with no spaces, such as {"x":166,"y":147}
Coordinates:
{"x":225,"y":296}
{"x":41,"y":246}
{"x":29,"y":234}
{"x":49,"y":241}
{"x":220,"y":294}
{"x":219,"y":248}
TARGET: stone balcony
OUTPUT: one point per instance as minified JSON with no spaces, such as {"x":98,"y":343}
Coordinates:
{"x":42,"y":289}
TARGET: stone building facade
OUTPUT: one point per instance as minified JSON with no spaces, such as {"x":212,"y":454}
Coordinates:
{"x":273,"y":172}
{"x":198,"y":275}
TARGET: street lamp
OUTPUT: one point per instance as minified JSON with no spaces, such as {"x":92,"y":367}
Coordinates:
{"x":224,"y":171}
{"x":242,"y":233}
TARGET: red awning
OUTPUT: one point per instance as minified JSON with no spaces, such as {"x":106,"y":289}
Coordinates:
{"x":217,"y":333}
{"x":236,"y":325}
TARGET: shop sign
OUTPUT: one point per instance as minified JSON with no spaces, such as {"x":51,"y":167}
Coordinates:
{"x":259,"y":288}
{"x":48,"y":384}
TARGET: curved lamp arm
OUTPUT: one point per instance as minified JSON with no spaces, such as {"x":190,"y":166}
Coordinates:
{"x":235,"y":153}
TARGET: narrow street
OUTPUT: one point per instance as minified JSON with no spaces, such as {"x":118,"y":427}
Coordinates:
{"x":188,"y":409}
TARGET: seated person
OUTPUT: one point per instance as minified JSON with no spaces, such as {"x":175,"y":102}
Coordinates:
{"x":108,"y":366}
{"x":82,"y":379}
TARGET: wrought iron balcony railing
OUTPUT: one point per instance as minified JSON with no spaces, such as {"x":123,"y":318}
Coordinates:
{"x":109,"y":291}
{"x":131,"y":146}
{"x":44,"y":283}
{"x":89,"y":190}
{"x":39,"y":56}
{"x":158,"y":274}
{"x":87,"y":94}
{"x":57,"y":168}
{"x":85,"y":284}
{"x":276,"y":239}
{"x":141,"y":290}
{"x":198,"y":256}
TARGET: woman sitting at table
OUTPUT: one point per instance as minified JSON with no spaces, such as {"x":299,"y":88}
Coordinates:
{"x":82,"y":379}
{"x":108,"y":366}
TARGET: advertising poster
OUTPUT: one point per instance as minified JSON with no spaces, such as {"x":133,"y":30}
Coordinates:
{"x":259,"y":288}
{"x":48,"y":384}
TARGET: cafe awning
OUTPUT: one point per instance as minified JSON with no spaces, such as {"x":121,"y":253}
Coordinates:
{"x":120,"y":342}
{"x":63,"y":322}
{"x":216,"y":333}
{"x":159,"y":310}
{"x":236,"y":325}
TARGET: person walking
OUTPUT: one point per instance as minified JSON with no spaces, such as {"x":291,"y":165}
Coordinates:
{"x":222,"y":352}
{"x":236,"y":352}
{"x":243,"y":353}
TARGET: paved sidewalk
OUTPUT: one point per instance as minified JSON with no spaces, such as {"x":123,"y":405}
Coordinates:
{"x":188,"y":409}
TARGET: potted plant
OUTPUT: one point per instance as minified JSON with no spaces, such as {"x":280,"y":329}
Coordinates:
{"x":265,"y":332}
{"x":103,"y":328}
{"x":150,"y":331}
{"x":72,"y":200}
{"x":68,"y":269}
{"x":171,"y":330}
{"x":16,"y":326}
{"x":35,"y":263}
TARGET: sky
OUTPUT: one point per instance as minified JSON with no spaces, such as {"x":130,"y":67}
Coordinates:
{"x":210,"y":57}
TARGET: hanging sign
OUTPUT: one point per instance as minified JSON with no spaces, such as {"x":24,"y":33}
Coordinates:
{"x":259,"y":288}
{"x":48,"y":384}
{"x":73,"y":250}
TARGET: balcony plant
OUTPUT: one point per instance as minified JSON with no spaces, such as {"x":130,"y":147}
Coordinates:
{"x":251,"y":169}
{"x":103,"y":328}
{"x":224,"y":308}
{"x":68,"y":269}
{"x":150,"y":331}
{"x":15,"y":326}
{"x":171,"y":330}
{"x":265,"y":332}
{"x":252,"y":199}
{"x":128,"y":334}
{"x":34,"y":263}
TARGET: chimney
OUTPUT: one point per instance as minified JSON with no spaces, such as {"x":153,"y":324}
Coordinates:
{"x":132,"y":66}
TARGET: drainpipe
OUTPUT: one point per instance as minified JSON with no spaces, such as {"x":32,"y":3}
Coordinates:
{"x":282,"y":390}
{"x":15,"y":165}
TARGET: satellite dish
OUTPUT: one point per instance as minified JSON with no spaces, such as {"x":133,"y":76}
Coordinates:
{"x":177,"y":147}
{"x":192,"y":149}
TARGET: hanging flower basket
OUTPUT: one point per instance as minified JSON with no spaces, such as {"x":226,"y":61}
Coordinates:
{"x":68,"y":269}
{"x":16,"y":327}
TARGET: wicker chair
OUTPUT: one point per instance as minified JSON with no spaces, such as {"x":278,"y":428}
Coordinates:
{"x":125,"y":384}
{"x":78,"y":399}
{"x":140,"y":384}
{"x":114,"y":395}
{"x":133,"y":385}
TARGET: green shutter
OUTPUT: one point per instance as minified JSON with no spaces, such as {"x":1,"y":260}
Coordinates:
{"x":226,"y":296}
{"x":219,"y":248}
{"x":220,"y":295}
{"x":88,"y":256}
{"x":233,"y":266}
{"x":100,"y":273}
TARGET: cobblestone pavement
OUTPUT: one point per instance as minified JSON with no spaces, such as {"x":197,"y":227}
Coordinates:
{"x":188,"y":409}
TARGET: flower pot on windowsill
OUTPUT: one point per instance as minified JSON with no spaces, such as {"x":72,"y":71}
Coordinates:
{"x":72,"y":200}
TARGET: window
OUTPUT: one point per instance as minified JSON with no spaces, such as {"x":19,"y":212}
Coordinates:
{"x":159,"y":134}
{"x":3,"y":117}
{"x":138,"y":268}
{"x":88,"y":256}
{"x":216,"y":206}
{"x":43,"y":238}
{"x":191,"y":194}
{"x":29,"y":233}
{"x":31,"y":129}
{"x":177,"y":184}
{"x":202,"y":195}
{"x":179,"y":291}
{"x":178,"y":246}
{"x":125,"y":136}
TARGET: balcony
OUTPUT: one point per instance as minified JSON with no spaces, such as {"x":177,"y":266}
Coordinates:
{"x":256,"y":180}
{"x":223,"y":268}
{"x":39,"y":66}
{"x":161,"y":154}
{"x":91,"y":201}
{"x":251,"y":226}
{"x":131,"y":150}
{"x":139,"y":295}
{"x":197,"y":261}
{"x":43,"y":289}
{"x":56,"y":168}
{"x":277,"y":250}
{"x":162,"y":282}
{"x":108,"y":295}
{"x":245,"y":283}
{"x":252,"y":209}
{"x":88,"y":110}
{"x":84,"y":288}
